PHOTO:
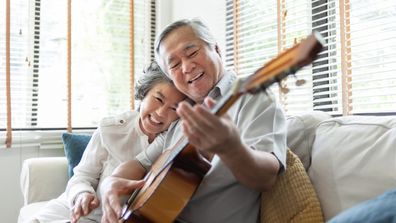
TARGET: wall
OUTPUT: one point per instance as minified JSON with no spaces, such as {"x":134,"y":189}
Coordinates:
{"x":209,"y":11}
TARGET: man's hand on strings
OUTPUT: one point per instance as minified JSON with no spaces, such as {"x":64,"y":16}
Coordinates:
{"x":206,"y":131}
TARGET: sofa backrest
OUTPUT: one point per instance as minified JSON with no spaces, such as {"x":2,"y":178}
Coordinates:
{"x":353,"y":160}
{"x":301,"y":134}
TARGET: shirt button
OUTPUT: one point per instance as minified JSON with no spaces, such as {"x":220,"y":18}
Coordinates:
{"x":122,"y":121}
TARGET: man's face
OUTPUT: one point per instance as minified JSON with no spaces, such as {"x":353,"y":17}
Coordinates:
{"x":194,"y":67}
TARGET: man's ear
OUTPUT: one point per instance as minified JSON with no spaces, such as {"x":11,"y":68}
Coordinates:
{"x":217,"y":48}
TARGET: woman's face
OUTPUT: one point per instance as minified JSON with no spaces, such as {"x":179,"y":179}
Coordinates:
{"x":158,"y":108}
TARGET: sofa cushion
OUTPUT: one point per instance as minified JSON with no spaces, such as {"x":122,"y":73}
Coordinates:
{"x":293,"y":198}
{"x":28,"y":211}
{"x":353,"y":160}
{"x":301,"y":134}
{"x":74,"y":146}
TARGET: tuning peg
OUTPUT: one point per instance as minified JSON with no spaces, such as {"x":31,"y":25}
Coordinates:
{"x":300,"y":82}
{"x":284,"y":90}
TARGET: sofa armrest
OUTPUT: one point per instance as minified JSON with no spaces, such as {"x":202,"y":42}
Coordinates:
{"x":43,"y":178}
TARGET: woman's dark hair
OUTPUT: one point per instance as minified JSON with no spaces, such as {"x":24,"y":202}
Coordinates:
{"x":151,"y":76}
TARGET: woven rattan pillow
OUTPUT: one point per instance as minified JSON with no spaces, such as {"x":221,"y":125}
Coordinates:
{"x":293,"y":198}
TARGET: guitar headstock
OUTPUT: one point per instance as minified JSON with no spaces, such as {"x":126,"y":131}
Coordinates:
{"x":286,"y":63}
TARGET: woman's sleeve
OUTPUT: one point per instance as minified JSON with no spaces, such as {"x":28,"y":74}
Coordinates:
{"x":148,"y":156}
{"x":87,"y":172}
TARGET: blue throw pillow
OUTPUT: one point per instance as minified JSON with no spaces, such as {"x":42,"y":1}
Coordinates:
{"x":381,"y":209}
{"x":74,"y":146}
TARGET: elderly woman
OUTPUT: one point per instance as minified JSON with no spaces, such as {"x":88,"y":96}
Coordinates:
{"x":117,"y":139}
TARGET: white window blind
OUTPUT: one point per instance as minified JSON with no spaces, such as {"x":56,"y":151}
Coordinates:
{"x":102,"y":81}
{"x":50,"y":57}
{"x":354,"y":74}
{"x":144,"y":34}
{"x":100,"y":60}
{"x":251,"y":34}
{"x":373,"y":56}
{"x":326,"y":73}
{"x":294,"y":24}
{"x":21,"y":89}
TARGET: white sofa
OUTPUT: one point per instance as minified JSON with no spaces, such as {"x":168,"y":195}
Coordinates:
{"x":348,"y":159}
{"x":41,"y":179}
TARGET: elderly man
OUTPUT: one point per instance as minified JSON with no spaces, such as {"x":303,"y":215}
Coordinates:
{"x":246,"y":147}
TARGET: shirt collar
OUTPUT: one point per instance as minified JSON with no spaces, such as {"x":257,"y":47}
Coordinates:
{"x":224,"y":85}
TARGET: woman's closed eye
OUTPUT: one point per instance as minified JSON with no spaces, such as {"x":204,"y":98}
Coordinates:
{"x":159,"y":99}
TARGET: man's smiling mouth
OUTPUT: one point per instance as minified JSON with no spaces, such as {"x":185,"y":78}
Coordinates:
{"x":196,"y":78}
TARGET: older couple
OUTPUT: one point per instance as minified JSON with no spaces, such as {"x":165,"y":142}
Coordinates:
{"x":246,"y":147}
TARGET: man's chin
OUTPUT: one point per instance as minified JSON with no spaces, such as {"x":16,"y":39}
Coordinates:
{"x":199,"y":100}
{"x":198,"y":96}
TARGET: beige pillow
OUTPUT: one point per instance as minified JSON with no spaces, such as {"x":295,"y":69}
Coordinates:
{"x":353,"y":160}
{"x":293,"y":198}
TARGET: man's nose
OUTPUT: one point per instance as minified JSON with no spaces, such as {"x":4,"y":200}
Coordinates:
{"x":188,"y":66}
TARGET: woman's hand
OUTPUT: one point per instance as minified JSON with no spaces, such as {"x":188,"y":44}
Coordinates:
{"x":83,"y":205}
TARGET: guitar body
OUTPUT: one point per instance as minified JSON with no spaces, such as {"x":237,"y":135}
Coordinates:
{"x":167,"y":190}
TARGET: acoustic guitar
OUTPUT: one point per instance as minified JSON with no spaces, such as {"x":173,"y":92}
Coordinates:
{"x":175,"y":176}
